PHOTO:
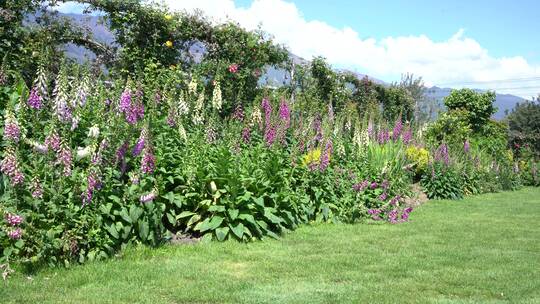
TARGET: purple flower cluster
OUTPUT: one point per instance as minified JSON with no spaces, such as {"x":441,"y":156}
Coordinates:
{"x":121,"y":152}
{"x":398,"y":127}
{"x":441,"y":154}
{"x":285,"y":114}
{"x":132,"y":109}
{"x":375,"y":214}
{"x":466,"y":146}
{"x":407,"y":136}
{"x":267,"y":107}
{"x":394,"y":216}
{"x":34,"y":100}
{"x":13,"y":219}
{"x":64,"y":157}
{"x":361,"y":186}
{"x":317,"y":127}
{"x":93,"y":184}
{"x":148,"y":163}
{"x":63,"y":111}
{"x":383,"y":136}
{"x":325,"y":156}
{"x":52,"y":141}
{"x":141,"y":142}
{"x":270,"y":135}
{"x":146,"y":198}
{"x":36,"y":188}
{"x":246,"y":135}
{"x":385,"y":184}
{"x":10,"y":167}
{"x":238,"y":113}
{"x":11,"y":130}
{"x":15,"y":234}
{"x":406,"y":213}
{"x":394,"y":201}
{"x":125,"y":101}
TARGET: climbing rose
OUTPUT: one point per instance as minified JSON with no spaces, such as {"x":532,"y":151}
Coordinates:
{"x":233,"y":68}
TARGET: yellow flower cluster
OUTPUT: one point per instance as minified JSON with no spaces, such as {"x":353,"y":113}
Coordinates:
{"x":419,"y":156}
{"x":313,"y":157}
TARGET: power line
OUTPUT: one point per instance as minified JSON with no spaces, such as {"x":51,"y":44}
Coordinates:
{"x":525,"y":79}
{"x":516,"y":88}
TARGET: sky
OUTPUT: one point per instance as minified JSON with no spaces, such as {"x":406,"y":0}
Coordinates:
{"x":482,"y":44}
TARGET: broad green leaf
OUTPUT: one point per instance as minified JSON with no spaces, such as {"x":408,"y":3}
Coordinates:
{"x":143,"y":230}
{"x":272,"y":217}
{"x":184,"y":214}
{"x":259,"y":201}
{"x":212,"y":224}
{"x":221,"y":233}
{"x":112,"y":230}
{"x":238,"y":230}
{"x":233,"y":213}
{"x":125,"y":216}
{"x":216,"y":208}
{"x":135,"y":212}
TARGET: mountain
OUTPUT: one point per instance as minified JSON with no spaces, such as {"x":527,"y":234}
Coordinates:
{"x":503,"y":102}
{"x":272,"y":77}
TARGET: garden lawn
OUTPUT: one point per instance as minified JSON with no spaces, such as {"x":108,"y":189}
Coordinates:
{"x":484,"y":249}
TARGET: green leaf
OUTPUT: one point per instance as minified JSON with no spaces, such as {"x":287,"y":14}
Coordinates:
{"x":212,"y":224}
{"x":135,"y":212}
{"x":272,"y":217}
{"x":216,"y":208}
{"x":143,"y":230}
{"x":238,"y":230}
{"x":171,"y":218}
{"x":259,"y":201}
{"x":249,"y":218}
{"x":233,"y":213}
{"x":184,"y":214}
{"x":195,"y":218}
{"x":115,"y":199}
{"x":106,"y":208}
{"x":221,"y":233}
{"x":125,"y":216}
{"x":112,"y":230}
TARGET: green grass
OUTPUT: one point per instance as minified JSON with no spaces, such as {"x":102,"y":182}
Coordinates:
{"x":484,"y":249}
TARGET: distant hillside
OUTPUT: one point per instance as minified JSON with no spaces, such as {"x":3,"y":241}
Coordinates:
{"x":504,"y":102}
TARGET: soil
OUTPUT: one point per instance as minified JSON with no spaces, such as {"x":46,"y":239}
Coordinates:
{"x":183,"y":239}
{"x":417,"y":198}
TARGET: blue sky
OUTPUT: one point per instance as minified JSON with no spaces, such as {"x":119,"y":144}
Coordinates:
{"x":477,"y":43}
{"x":503,"y":27}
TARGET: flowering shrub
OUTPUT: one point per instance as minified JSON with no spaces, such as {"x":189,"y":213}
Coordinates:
{"x":419,"y":158}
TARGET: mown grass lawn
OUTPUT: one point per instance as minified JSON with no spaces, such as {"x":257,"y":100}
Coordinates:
{"x":484,"y":249}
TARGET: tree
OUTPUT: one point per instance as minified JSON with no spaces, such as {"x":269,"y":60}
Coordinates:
{"x":524,"y":127}
{"x":477,"y":107}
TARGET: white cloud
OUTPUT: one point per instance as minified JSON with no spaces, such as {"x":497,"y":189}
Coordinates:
{"x":457,"y":60}
{"x":70,"y":7}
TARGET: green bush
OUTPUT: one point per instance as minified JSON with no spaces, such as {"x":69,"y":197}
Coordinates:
{"x":442,"y":182}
